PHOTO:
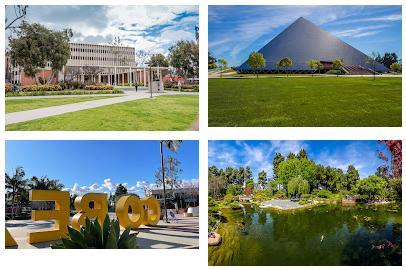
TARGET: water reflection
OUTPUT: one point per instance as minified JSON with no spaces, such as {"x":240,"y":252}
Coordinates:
{"x":325,"y":235}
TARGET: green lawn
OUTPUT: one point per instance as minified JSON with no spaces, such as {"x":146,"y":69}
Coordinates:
{"x":160,"y":113}
{"x":320,"y":102}
{"x":16,"y":105}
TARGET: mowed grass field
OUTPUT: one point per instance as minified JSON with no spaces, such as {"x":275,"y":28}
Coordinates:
{"x":306,"y":102}
{"x":16,"y":105}
{"x":177,"y":112}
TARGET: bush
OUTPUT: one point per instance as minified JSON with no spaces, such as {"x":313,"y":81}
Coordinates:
{"x":235,"y":205}
{"x":302,"y":202}
{"x":99,"y":87}
{"x":229,"y":198}
{"x":335,"y":72}
{"x":305,"y":196}
{"x":45,"y":87}
{"x":8,"y":87}
{"x":63,"y":92}
{"x":92,"y":235}
{"x":324,"y":194}
{"x":263,"y":195}
{"x":234,"y":189}
{"x":280,"y":195}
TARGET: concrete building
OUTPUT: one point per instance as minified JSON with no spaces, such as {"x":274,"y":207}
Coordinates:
{"x":302,"y":41}
{"x":96,"y":63}
{"x":178,"y":198}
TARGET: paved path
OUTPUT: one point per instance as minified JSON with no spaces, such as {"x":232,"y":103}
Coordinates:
{"x":281,"y":204}
{"x":183,"y":233}
{"x":29,"y":115}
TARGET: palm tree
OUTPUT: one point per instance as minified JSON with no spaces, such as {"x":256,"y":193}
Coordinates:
{"x":173,"y":146}
{"x":16,"y":184}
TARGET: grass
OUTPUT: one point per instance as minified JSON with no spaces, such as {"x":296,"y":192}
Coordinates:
{"x":176,"y":112}
{"x":63,"y":92}
{"x":306,"y":102}
{"x":16,"y":105}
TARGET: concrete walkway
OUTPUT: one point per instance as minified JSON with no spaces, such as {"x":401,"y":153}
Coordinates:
{"x":281,"y":204}
{"x":130,"y":95}
{"x":182,"y":233}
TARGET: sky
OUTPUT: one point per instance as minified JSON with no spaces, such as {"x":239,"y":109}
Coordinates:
{"x":236,"y":31}
{"x":99,"y":166}
{"x":259,"y":154}
{"x":151,"y":28}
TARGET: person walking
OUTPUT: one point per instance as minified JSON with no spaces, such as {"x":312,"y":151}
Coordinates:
{"x":179,"y":85}
{"x":136,"y":87}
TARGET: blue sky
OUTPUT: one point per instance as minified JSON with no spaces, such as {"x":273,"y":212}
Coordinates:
{"x":236,"y":31}
{"x":259,"y":154}
{"x":151,"y":28}
{"x":98,"y":166}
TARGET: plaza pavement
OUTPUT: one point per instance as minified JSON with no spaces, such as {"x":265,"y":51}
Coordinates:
{"x":181,"y":233}
{"x":130,"y":94}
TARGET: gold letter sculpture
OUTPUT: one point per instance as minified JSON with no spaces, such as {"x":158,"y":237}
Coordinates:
{"x":152,"y":211}
{"x":137,"y":212}
{"x":82,"y":205}
{"x":60,"y":214}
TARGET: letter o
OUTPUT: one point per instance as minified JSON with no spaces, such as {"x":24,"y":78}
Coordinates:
{"x":137,"y":212}
{"x":152,"y":210}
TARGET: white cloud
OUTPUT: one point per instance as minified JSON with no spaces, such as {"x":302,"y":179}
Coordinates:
{"x":361,"y":31}
{"x":107,"y":183}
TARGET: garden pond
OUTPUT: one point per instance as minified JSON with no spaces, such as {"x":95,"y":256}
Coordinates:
{"x":360,"y":234}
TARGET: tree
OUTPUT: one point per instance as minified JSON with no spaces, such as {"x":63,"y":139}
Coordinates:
{"x":212,"y":62}
{"x":372,"y":187}
{"x":92,"y":71}
{"x":216,"y":185}
{"x":15,"y":184}
{"x":387,"y":59}
{"x":158,"y":60}
{"x":173,"y":146}
{"x":278,"y":159}
{"x":352,"y":177}
{"x":315,"y":64}
{"x":120,"y":190}
{"x":44,"y":183}
{"x":372,"y":60}
{"x":249,"y":187}
{"x":396,"y":67}
{"x":338,"y":64}
{"x":291,"y":156}
{"x":262,"y":179}
{"x":294,"y":167}
{"x":142,"y":57}
{"x":35,"y":46}
{"x":298,"y":186}
{"x":20,"y":12}
{"x":248,"y":173}
{"x":273,"y":186}
{"x":302,"y":154}
{"x":223,"y":65}
{"x":395,"y":149}
{"x":184,"y":56}
{"x":256,"y":61}
{"x":240,"y":175}
{"x":120,"y":58}
{"x":284,"y":63}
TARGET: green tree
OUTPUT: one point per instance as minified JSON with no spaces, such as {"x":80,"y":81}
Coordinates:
{"x":234,"y":189}
{"x":240,"y":175}
{"x":217,"y":185}
{"x":295,"y":167}
{"x":396,"y":67}
{"x":352,"y":177}
{"x":256,"y":61}
{"x":262,"y":179}
{"x":387,"y":59}
{"x":372,"y":60}
{"x":338,"y":64}
{"x":173,"y":146}
{"x":291,"y":156}
{"x":249,"y":187}
{"x":273,"y":186}
{"x":223,"y":65}
{"x":158,"y":60}
{"x":372,"y":187}
{"x":44,"y":183}
{"x":120,"y":190}
{"x":315,"y":64}
{"x":284,"y":63}
{"x":35,"y":46}
{"x":184,"y":57}
{"x":278,"y":158}
{"x":248,"y":173}
{"x":15,"y":184}
{"x":212,"y":62}
{"x":302,"y":154}
{"x":297,"y":186}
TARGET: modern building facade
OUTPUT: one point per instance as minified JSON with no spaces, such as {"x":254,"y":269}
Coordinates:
{"x":96,"y":63}
{"x":303,"y":41}
{"x":177,"y":198}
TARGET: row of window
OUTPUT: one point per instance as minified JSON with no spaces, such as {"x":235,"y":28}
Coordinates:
{"x":93,"y":58}
{"x":87,"y":50}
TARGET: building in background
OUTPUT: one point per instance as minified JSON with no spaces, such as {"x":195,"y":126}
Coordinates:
{"x":178,"y":198}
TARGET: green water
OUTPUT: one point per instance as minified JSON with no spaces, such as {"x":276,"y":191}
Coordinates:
{"x":323,"y":235}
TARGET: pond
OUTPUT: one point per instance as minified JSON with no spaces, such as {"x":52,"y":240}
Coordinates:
{"x":323,"y":235}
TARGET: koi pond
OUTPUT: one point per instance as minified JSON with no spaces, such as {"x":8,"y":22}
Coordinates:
{"x":361,"y":234}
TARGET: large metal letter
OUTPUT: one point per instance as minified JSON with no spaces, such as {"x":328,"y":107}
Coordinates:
{"x":152,"y":211}
{"x":137,"y":212}
{"x":60,"y":214}
{"x":82,"y":205}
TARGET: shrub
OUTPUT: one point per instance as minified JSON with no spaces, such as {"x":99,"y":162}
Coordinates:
{"x":99,"y":87}
{"x":45,"y":87}
{"x":324,"y":194}
{"x":229,"y":198}
{"x":8,"y":87}
{"x":93,"y":236}
{"x":305,"y":196}
{"x":263,"y":195}
{"x":280,"y":195}
{"x":63,"y":92}
{"x":235,"y":205}
{"x":335,"y":72}
{"x":234,"y":189}
{"x":302,"y":202}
